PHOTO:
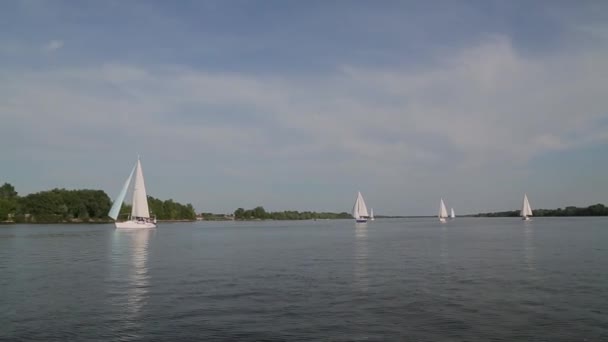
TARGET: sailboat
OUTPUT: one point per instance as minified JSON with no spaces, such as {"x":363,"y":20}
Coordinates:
{"x":140,"y":214}
{"x":452,"y":215}
{"x":526,"y":210}
{"x":371,"y":214}
{"x":359,"y":209}
{"x":443,"y":212}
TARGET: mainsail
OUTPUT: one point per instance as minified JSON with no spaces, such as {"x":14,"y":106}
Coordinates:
{"x":359,"y":209}
{"x":443,"y":212}
{"x":121,"y":197}
{"x":526,"y":210}
{"x":140,"y":200}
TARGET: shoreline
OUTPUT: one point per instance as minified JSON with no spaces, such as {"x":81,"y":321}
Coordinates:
{"x":7,"y":223}
{"x":86,"y":222}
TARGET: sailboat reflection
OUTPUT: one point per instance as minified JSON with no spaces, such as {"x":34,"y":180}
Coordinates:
{"x":130,"y":260}
{"x":445,"y":271}
{"x":444,"y":254}
{"x":360,"y":257}
{"x":529,"y":249}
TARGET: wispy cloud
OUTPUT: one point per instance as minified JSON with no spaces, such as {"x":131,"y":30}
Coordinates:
{"x":478,"y":107}
{"x":401,"y":101}
{"x":53,"y":45}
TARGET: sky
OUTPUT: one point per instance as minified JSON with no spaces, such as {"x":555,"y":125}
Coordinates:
{"x":297,"y":105}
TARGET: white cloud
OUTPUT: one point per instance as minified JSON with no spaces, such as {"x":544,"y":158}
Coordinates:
{"x":477,"y":107}
{"x":53,"y":45}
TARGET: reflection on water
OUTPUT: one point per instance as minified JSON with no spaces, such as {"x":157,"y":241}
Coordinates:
{"x":361,"y":256}
{"x":529,"y":255}
{"x":138,"y":278}
{"x":445,"y":268}
{"x":444,"y":255}
{"x":130,"y":273}
{"x":300,"y":281}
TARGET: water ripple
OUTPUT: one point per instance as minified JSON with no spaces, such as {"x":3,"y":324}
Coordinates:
{"x":404,"y":280}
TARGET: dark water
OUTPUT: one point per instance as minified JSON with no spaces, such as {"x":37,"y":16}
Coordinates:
{"x":402,"y":280}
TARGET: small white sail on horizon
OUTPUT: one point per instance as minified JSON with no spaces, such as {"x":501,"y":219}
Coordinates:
{"x":360,"y":209}
{"x":526,"y":210}
{"x":443,"y":212}
{"x":452,"y":214}
{"x":371,"y":214}
{"x":140,"y":213}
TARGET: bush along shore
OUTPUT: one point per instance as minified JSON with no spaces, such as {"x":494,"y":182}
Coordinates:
{"x":258,"y":213}
{"x":592,"y":210}
{"x":78,"y":206}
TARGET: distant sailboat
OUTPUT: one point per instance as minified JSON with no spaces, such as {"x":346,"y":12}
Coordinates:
{"x":359,"y":209}
{"x":140,"y":214}
{"x":443,"y":212}
{"x":371,"y":214}
{"x":452,"y":215}
{"x":526,"y":210}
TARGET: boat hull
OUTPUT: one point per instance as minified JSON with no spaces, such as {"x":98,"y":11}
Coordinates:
{"x":361,"y":220}
{"x":442,"y":220}
{"x":135,"y":225}
{"x":526,"y":218}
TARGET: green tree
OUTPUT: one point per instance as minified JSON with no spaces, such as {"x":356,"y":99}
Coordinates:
{"x":597,"y":210}
{"x":170,"y":210}
{"x":7,"y":191}
{"x":7,"y":207}
{"x":259,"y":213}
{"x":8,"y":201}
{"x":239,"y":213}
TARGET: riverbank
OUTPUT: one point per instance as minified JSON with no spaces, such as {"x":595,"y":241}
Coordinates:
{"x":174,"y":221}
{"x":84,"y":222}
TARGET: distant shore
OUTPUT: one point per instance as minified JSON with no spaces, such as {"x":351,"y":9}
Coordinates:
{"x":86,"y":222}
{"x":79,"y":206}
{"x":476,"y":216}
{"x":259,"y":214}
{"x":175,"y":221}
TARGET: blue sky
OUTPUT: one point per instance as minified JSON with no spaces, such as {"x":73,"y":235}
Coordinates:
{"x":298,"y":105}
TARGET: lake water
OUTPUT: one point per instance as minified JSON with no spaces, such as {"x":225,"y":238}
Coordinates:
{"x":472,"y":279}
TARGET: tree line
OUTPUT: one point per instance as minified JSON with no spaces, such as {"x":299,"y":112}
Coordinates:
{"x":170,"y":210}
{"x":592,"y":210}
{"x":258,"y":213}
{"x":85,"y":205}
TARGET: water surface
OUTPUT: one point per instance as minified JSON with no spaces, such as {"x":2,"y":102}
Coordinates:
{"x":408,"y":280}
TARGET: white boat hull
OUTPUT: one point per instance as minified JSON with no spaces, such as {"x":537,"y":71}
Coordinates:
{"x":526,"y":218}
{"x":442,"y":220}
{"x":135,"y":225}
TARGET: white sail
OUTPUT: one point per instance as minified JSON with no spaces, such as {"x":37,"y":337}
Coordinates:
{"x":452,"y":215}
{"x":359,"y":209}
{"x":371,"y":214}
{"x":526,"y":210}
{"x":121,"y":197}
{"x":140,"y":199}
{"x":443,"y":212}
